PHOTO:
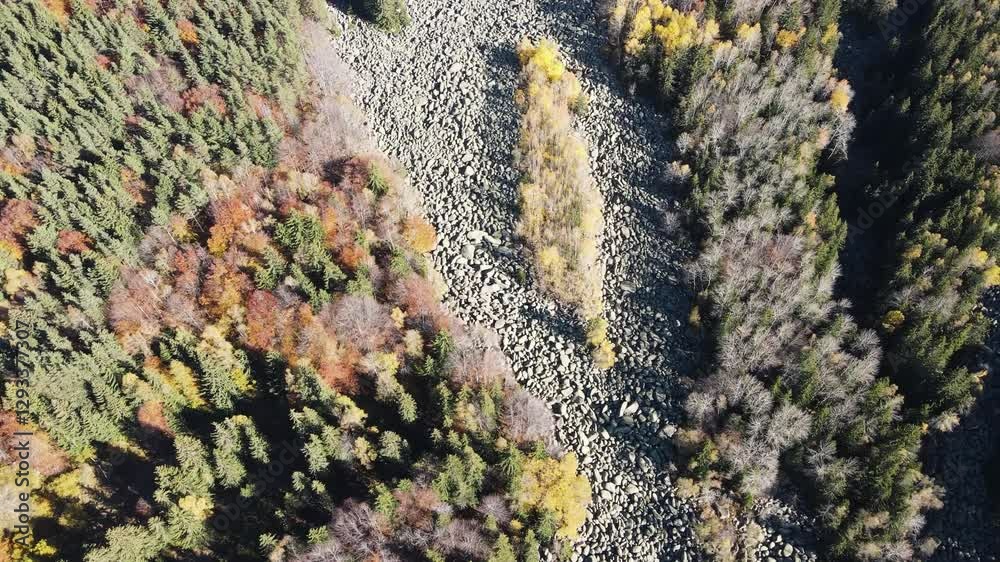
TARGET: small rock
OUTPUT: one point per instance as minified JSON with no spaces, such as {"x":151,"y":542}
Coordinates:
{"x":492,"y":240}
{"x":490,"y":289}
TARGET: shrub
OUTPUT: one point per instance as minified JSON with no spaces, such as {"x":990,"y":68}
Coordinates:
{"x":420,"y":235}
{"x":390,"y":15}
{"x":602,"y":350}
{"x":361,"y":321}
{"x":463,"y":539}
{"x":526,"y":418}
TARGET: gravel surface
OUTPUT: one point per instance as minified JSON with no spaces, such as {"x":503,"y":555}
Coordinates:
{"x":439,"y":99}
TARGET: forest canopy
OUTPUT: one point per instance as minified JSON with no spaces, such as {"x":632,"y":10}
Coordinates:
{"x":219,"y":294}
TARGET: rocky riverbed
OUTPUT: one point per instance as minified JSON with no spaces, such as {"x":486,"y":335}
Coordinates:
{"x":439,"y":99}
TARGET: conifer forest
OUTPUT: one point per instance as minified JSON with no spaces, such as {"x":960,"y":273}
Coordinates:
{"x":480,"y":281}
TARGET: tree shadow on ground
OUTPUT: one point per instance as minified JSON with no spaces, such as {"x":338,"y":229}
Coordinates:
{"x":502,"y":116}
{"x":963,"y":462}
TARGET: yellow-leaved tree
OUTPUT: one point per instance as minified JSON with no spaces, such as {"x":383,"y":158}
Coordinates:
{"x":554,"y":486}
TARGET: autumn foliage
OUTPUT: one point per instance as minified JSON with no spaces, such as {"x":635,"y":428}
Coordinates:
{"x":561,"y":208}
{"x":791,"y":391}
{"x":226,"y":298}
